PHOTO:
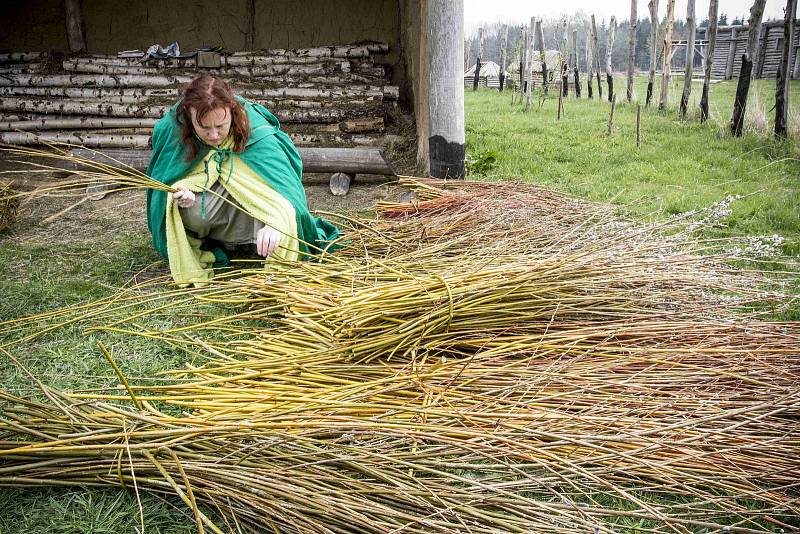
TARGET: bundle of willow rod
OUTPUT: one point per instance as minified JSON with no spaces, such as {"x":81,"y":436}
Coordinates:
{"x":85,"y":171}
{"x":460,"y":366}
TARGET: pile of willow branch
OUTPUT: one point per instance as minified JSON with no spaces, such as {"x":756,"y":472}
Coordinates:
{"x":485,"y":358}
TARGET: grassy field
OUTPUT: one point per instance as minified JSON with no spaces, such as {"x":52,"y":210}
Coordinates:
{"x":682,"y":165}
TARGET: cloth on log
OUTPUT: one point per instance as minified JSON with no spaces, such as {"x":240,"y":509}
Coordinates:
{"x":269,"y":154}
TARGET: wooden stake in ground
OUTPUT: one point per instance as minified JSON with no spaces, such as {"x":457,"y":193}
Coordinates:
{"x":638,"y":126}
{"x":589,"y":60}
{"x":665,"y":75}
{"x":687,"y":76}
{"x":503,"y":47}
{"x":612,"y":27}
{"x":76,"y":36}
{"x":653,"y":7}
{"x":784,"y":71}
{"x":478,"y":63}
{"x":564,"y":60}
{"x":596,"y":51}
{"x":560,"y":104}
{"x":611,"y":114}
{"x":743,"y":86}
{"x":573,"y":54}
{"x":631,"y":50}
{"x":712,"y":42}
{"x":542,"y":56}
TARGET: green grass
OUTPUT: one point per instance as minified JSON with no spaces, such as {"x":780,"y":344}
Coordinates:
{"x":682,"y":165}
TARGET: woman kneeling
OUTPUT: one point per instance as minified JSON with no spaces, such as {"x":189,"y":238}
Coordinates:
{"x":238,"y":181}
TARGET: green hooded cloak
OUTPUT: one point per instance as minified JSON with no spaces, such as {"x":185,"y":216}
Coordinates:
{"x":268,"y":151}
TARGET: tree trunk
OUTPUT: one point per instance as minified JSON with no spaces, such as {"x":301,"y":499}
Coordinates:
{"x":784,"y":72}
{"x":712,"y":43}
{"x":76,"y":37}
{"x":476,"y":81}
{"x":596,"y":50}
{"x":446,"y":103}
{"x":529,"y":69}
{"x":631,"y":51}
{"x":653,"y":7}
{"x":612,"y":27}
{"x":542,"y":53}
{"x":687,"y":76}
{"x":574,"y":56}
{"x":564,"y":60}
{"x":589,"y":61}
{"x":89,"y":140}
{"x":743,"y":86}
{"x":667,"y":72}
{"x":503,"y":59}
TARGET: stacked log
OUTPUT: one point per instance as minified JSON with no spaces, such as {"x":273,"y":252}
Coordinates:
{"x":337,"y":96}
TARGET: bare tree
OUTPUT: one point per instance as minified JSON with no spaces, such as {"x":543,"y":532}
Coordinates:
{"x":784,"y":73}
{"x":665,"y":75}
{"x":687,"y":77}
{"x":653,"y":7}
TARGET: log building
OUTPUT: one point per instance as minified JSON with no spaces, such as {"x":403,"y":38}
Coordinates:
{"x":347,"y":73}
{"x":732,"y":43}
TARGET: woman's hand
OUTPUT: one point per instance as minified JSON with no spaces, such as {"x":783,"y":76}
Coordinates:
{"x":267,"y":241}
{"x":183,"y":197}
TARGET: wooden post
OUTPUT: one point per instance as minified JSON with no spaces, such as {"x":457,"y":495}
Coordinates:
{"x":250,"y":25}
{"x":529,"y":69}
{"x":522,"y":41}
{"x":503,"y":52}
{"x":687,"y":76}
{"x":612,"y":27}
{"x":653,"y":7}
{"x":638,"y":126}
{"x":542,"y":54}
{"x":631,"y":50}
{"x":665,"y":76}
{"x":560,"y":104}
{"x":574,"y":62}
{"x":784,"y":73}
{"x":596,"y":51}
{"x":712,"y":43}
{"x":743,"y":85}
{"x":611,"y":114}
{"x":76,"y":36}
{"x":564,"y":59}
{"x":478,"y":63}
{"x":758,"y":61}
{"x":589,"y":61}
{"x":526,"y":75}
{"x":731,"y":54}
{"x":446,"y":103}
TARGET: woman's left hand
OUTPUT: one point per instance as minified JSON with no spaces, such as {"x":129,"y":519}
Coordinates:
{"x":267,"y":241}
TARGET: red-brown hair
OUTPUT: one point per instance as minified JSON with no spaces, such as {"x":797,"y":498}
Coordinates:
{"x":204,"y":94}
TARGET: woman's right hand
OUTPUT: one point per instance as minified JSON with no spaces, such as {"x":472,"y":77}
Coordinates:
{"x":183,"y":197}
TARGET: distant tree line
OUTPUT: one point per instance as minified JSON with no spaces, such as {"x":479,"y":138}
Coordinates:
{"x":552,"y":35}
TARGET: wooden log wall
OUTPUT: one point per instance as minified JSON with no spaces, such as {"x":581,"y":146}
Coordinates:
{"x":337,"y":96}
{"x":768,"y":56}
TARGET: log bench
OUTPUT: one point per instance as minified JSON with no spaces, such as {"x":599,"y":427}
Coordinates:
{"x":343,"y":163}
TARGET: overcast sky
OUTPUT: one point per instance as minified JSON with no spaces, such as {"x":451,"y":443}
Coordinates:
{"x":517,"y":11}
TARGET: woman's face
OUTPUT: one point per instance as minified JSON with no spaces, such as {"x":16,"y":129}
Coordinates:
{"x":214,"y":127}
